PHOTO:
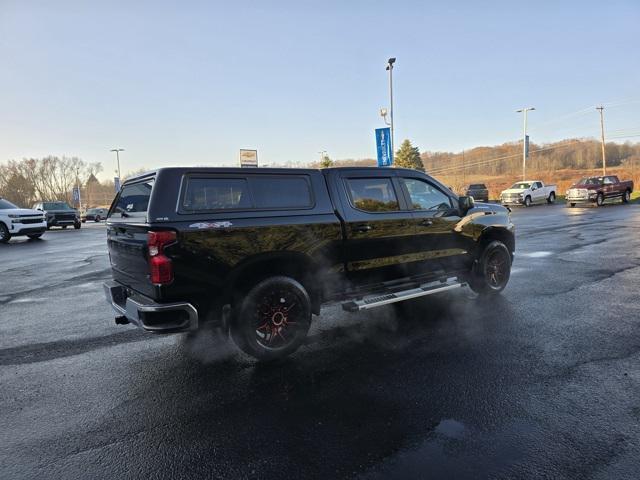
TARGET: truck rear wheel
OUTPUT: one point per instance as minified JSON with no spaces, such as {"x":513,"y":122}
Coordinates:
{"x":552,"y":198}
{"x":492,"y":270}
{"x":626,"y":196}
{"x":600,"y":200}
{"x":273,"y":318}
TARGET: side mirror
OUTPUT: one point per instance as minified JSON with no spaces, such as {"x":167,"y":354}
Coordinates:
{"x":465,"y":204}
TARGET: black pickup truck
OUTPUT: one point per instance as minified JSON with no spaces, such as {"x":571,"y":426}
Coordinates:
{"x":256,"y":252}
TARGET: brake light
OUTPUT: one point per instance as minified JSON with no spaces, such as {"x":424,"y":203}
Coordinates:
{"x":160,"y":265}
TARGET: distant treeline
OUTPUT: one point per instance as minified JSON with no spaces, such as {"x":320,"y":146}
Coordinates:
{"x":507,"y":158}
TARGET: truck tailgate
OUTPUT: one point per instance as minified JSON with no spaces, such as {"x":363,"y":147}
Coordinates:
{"x":128,"y":255}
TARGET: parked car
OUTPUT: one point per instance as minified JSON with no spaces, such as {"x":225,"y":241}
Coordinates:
{"x":59,"y":214}
{"x":15,"y":221}
{"x":598,"y":189}
{"x":256,"y":252}
{"x":478,"y":191}
{"x":95,"y":214}
{"x":528,"y":192}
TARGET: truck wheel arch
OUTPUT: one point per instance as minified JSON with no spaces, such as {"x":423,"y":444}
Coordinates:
{"x":496,"y":233}
{"x":291,"y":264}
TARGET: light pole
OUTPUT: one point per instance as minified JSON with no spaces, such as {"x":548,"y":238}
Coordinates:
{"x":604,"y":157}
{"x":524,"y":140}
{"x":390,"y":63}
{"x":118,"y":150}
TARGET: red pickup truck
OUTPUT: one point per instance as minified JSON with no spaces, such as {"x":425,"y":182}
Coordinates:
{"x":598,"y":189}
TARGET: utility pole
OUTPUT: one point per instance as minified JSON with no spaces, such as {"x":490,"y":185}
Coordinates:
{"x":463,"y":179}
{"x":78,"y":187}
{"x":118,"y":150}
{"x":604,"y":157}
{"x":390,"y":63}
{"x":524,"y":141}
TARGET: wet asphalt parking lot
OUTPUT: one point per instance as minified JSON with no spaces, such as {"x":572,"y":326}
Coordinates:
{"x":541,"y":382}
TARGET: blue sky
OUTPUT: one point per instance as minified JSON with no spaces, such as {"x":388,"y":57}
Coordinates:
{"x":190,"y":83}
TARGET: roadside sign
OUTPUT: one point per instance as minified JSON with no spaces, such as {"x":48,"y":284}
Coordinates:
{"x":248,"y":158}
{"x":383,"y":144}
{"x":116,"y":182}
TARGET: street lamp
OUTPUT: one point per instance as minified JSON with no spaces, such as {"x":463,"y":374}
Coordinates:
{"x":390,"y":63}
{"x":383,"y":114}
{"x":118,"y":150}
{"x":524,"y":140}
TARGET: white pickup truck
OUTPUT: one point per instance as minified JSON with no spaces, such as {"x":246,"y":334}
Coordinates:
{"x":528,"y":192}
{"x":16,"y":221}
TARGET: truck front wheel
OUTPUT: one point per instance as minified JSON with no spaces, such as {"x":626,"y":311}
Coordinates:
{"x":600,"y":200}
{"x":527,"y":201}
{"x":490,"y":274}
{"x":5,"y":236}
{"x":272,"y":319}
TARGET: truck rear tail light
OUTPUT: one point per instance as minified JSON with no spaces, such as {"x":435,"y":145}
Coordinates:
{"x":160,"y":265}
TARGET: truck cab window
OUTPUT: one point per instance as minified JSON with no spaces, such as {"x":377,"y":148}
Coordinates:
{"x":425,"y":196}
{"x":373,"y":194}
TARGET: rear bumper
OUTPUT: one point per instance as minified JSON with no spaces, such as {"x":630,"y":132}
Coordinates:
{"x":148,"y":315}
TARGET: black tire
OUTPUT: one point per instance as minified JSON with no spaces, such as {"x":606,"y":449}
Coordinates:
{"x":600,"y":200}
{"x":5,"y":236}
{"x":34,"y":236}
{"x":64,"y":227}
{"x":626,"y":196}
{"x":77,"y":225}
{"x":272,"y":320}
{"x":97,"y":219}
{"x":552,"y":198}
{"x":492,"y":270}
{"x":572,"y":205}
{"x":527,"y":201}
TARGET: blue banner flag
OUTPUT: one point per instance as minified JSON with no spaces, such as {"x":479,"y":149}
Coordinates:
{"x":116,"y":182}
{"x":526,"y":146}
{"x":383,"y":142}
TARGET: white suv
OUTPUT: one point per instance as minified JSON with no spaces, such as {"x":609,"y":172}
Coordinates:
{"x":16,"y":221}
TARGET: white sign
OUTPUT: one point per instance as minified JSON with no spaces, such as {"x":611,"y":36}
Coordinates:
{"x":248,"y":158}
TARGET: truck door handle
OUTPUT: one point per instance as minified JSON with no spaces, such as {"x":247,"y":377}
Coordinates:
{"x":426,"y":223}
{"x":362,"y":228}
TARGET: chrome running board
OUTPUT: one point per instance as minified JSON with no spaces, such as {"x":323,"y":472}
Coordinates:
{"x":423,"y":290}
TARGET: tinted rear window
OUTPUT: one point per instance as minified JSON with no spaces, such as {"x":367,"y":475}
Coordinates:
{"x":250,"y":193}
{"x":281,"y":192}
{"x":476,"y":186}
{"x":216,"y":194}
{"x":133,"y":200}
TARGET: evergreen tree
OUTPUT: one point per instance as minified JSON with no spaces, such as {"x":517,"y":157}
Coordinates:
{"x":408,"y":156}
{"x":326,"y":162}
